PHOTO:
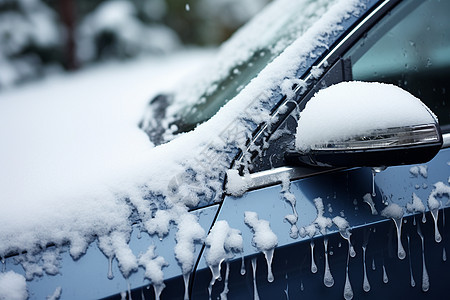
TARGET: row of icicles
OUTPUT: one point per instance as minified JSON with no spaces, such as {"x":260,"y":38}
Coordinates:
{"x":328,"y":279}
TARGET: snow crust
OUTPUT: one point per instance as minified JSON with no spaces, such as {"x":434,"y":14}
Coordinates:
{"x":13,"y":286}
{"x":373,"y":106}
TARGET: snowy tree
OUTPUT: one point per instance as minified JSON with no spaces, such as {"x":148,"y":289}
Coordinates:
{"x":29,"y":38}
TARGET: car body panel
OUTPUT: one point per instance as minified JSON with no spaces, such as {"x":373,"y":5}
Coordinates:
{"x":342,"y":193}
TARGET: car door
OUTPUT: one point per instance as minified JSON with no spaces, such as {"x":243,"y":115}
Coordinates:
{"x":402,"y":43}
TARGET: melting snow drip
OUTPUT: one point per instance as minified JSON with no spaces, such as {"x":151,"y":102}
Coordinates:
{"x":348,"y":291}
{"x":328,"y":279}
{"x":395,"y":212}
{"x":186,"y":285}
{"x":444,"y":253}
{"x":286,"y":291}
{"x":344,"y":231}
{"x":385,"y":276}
{"x":110,"y":272}
{"x":269,"y":256}
{"x":366,"y":284}
{"x":290,"y":198}
{"x":302,"y":287}
{"x":375,"y":170}
{"x":313,"y":263}
{"x":242,"y":267}
{"x":224,"y":294}
{"x":425,"y":278}
{"x":263,"y":239}
{"x":373,"y":264}
{"x":221,"y":242}
{"x":368,"y":199}
{"x":255,"y":290}
{"x":413,"y":282}
{"x":434,"y":205}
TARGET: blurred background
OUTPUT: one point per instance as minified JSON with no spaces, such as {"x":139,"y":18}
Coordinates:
{"x":41,"y":37}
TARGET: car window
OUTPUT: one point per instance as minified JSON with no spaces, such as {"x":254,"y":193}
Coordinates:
{"x":242,"y":58}
{"x":411,"y":49}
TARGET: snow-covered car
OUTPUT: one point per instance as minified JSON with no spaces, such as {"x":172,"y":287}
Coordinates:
{"x":302,"y":164}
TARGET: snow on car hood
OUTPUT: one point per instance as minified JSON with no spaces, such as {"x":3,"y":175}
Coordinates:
{"x":54,"y":194}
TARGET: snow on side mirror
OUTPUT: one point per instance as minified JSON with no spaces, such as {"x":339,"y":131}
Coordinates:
{"x":356,"y":124}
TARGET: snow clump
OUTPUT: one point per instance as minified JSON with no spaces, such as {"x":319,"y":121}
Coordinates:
{"x":13,"y":286}
{"x":321,"y":120}
{"x":263,"y":237}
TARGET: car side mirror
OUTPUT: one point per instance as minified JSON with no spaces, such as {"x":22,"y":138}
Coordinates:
{"x":356,"y":124}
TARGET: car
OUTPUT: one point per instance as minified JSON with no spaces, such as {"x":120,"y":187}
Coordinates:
{"x":306,"y":166}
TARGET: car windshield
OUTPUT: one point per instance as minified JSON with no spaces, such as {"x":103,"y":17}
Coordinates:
{"x":239,"y":60}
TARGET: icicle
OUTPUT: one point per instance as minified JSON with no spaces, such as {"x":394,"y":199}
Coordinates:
{"x":110,"y":272}
{"x":313,"y":262}
{"x":348,"y":291}
{"x":373,"y":183}
{"x":269,"y":256}
{"x":286,"y":291}
{"x":414,"y":221}
{"x":413,"y":282}
{"x":186,"y":285}
{"x":366,"y":284}
{"x":242,"y":266}
{"x":425,"y":278}
{"x":215,"y":275}
{"x":424,"y":218}
{"x":224,"y":294}
{"x":255,"y":290}
{"x":129,"y":290}
{"x":375,"y":170}
{"x":328,"y":279}
{"x":444,"y":254}
{"x":345,"y":234}
{"x":158,"y":288}
{"x":435,"y":215}
{"x":373,"y":264}
{"x":400,"y":250}
{"x":385,"y":277}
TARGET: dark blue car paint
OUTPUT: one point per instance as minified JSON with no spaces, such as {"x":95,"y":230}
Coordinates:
{"x":342,"y":193}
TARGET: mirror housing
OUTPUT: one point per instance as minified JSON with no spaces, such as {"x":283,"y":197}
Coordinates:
{"x":361,"y":124}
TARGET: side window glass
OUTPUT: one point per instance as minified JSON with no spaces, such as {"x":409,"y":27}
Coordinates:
{"x":411,"y":49}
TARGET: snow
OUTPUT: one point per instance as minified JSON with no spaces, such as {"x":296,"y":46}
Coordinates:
{"x":393,"y":210}
{"x":75,"y":166}
{"x":56,"y":294}
{"x":74,"y":150}
{"x":12,"y":286}
{"x":131,"y":35}
{"x":153,"y":265}
{"x":440,"y":189}
{"x":422,"y":170}
{"x":374,"y":106}
{"x":222,"y":241}
{"x":263,"y":237}
{"x":236,"y":185}
{"x":416,"y":205}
